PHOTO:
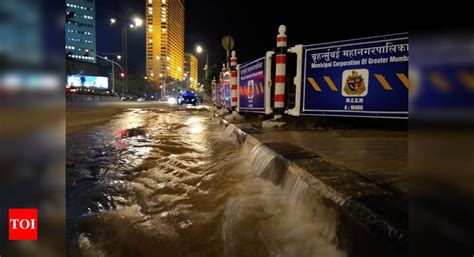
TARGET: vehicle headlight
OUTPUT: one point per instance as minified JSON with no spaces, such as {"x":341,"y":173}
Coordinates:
{"x":171,"y":100}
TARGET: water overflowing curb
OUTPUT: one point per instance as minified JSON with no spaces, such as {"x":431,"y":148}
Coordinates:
{"x":381,"y":213}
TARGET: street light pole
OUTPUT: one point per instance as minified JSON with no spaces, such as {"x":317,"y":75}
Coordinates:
{"x":137,"y":23}
{"x":199,"y":50}
{"x":125,"y":47}
{"x":113,"y":73}
{"x":207,"y":63}
{"x":113,"y":79}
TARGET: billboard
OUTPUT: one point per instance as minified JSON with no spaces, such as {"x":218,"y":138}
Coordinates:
{"x":365,"y":77}
{"x":252,"y":86}
{"x":88,"y":81}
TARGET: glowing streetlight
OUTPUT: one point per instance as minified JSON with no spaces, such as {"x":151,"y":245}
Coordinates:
{"x":132,"y":26}
{"x":119,"y":57}
{"x":138,"y":22}
{"x":113,"y":21}
{"x":198,"y":49}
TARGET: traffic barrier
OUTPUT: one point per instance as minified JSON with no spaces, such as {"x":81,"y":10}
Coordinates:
{"x":332,"y":79}
{"x":233,"y":80}
{"x":280,"y":70}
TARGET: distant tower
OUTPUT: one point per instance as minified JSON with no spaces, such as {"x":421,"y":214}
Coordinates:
{"x":191,"y":70}
{"x":80,"y":29}
{"x":164,"y":39}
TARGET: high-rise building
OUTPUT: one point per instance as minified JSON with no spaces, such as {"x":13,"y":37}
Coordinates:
{"x":80,"y":30}
{"x":164,"y":39}
{"x":191,"y":71}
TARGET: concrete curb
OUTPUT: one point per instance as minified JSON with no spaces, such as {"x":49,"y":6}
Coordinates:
{"x":374,"y":209}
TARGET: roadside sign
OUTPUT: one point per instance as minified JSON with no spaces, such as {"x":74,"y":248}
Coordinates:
{"x":252,"y":86}
{"x":365,"y":77}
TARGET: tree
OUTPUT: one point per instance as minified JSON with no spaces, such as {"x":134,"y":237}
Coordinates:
{"x":213,"y":73}
{"x":137,"y":86}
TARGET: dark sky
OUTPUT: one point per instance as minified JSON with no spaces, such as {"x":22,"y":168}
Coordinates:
{"x":253,"y":24}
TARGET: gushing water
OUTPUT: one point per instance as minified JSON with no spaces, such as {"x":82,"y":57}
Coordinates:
{"x":169,"y":183}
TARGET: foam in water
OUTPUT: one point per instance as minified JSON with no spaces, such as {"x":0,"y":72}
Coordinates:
{"x":296,"y":221}
{"x":298,"y":191}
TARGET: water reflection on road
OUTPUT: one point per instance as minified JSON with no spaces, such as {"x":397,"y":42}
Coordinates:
{"x":167,"y":182}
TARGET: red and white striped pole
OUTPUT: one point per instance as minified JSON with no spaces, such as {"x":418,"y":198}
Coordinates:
{"x":233,"y":80}
{"x":280,"y":72}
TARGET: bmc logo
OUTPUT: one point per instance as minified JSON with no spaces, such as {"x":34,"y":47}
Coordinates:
{"x":23,"y":224}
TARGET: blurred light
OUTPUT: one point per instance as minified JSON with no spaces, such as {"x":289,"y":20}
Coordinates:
{"x":113,"y":21}
{"x":119,"y":57}
{"x":157,"y":57}
{"x":138,"y":22}
{"x":172,"y":100}
{"x":199,"y":49}
{"x":132,"y":26}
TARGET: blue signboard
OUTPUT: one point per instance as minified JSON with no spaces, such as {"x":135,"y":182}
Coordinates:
{"x":252,"y":86}
{"x":443,"y":78}
{"x":357,"y":78}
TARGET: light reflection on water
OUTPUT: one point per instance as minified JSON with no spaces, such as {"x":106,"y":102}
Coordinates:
{"x":175,"y":186}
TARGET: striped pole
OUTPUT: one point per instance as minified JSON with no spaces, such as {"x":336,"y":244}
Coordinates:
{"x":233,"y":80}
{"x":280,"y":72}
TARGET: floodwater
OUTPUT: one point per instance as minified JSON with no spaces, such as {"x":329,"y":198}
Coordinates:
{"x":168,"y":182}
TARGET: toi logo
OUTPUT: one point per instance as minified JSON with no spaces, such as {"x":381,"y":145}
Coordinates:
{"x":22,"y":224}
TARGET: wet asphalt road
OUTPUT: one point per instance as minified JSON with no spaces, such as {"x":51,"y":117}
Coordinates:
{"x":160,"y":180}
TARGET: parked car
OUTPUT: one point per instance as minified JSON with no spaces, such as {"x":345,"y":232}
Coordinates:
{"x":188,"y":97}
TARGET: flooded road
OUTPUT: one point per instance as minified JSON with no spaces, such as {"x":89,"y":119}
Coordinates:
{"x":166,"y":181}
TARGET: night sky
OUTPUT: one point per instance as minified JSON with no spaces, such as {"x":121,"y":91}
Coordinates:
{"x":253,"y":24}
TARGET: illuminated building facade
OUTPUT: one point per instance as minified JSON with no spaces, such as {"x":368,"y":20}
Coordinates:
{"x":80,"y":29}
{"x":191,"y":71}
{"x":164,"y":39}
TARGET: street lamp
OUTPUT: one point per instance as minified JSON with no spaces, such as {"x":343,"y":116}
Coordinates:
{"x":199,"y":50}
{"x":137,"y":23}
{"x":119,"y":57}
